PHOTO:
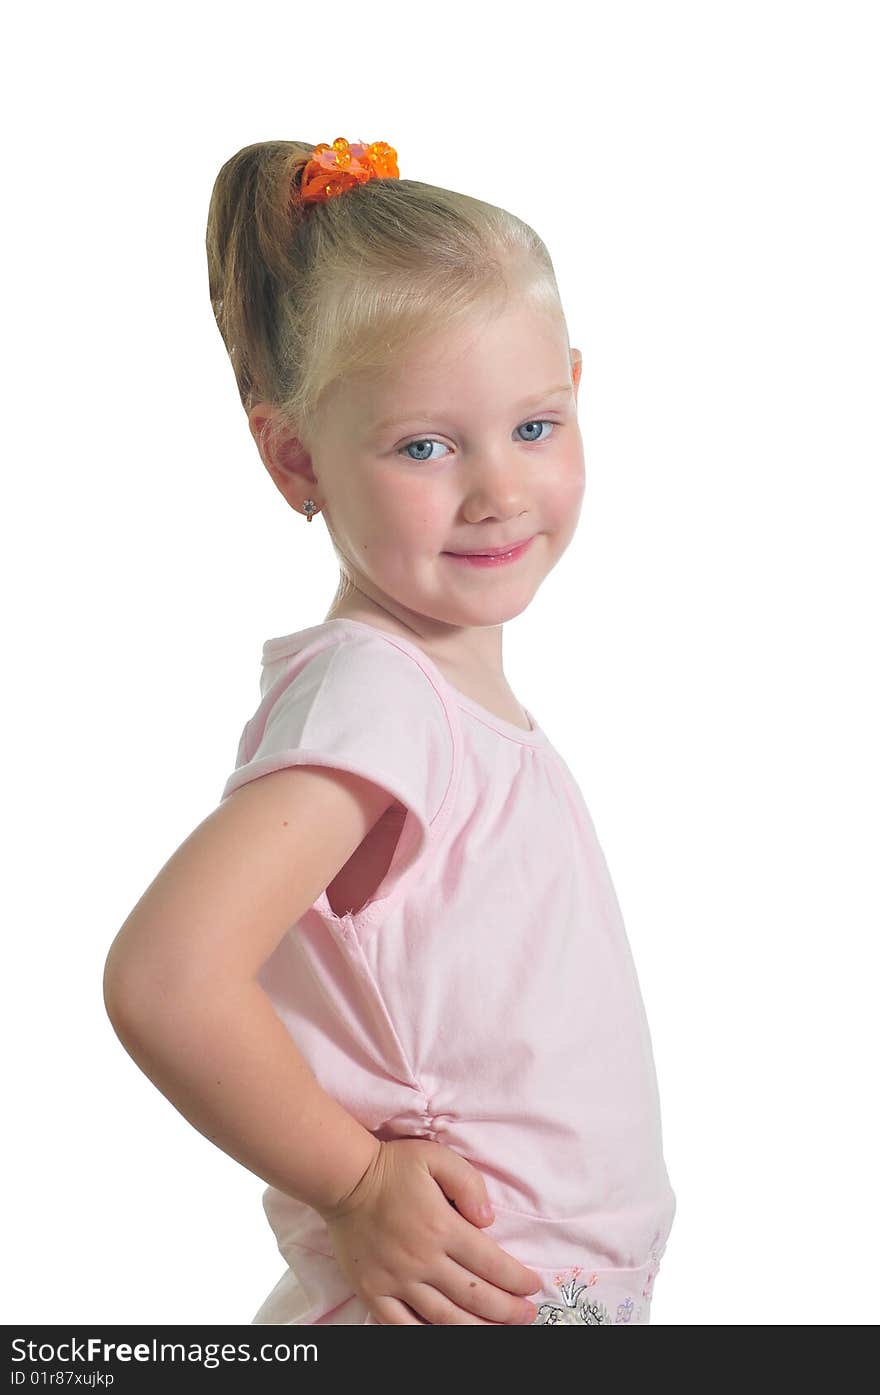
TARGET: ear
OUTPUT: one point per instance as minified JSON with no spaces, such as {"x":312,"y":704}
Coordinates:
{"x":577,"y":363}
{"x":284,"y":456}
{"x":259,"y":416}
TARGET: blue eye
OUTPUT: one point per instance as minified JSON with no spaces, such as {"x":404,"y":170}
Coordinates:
{"x":430,"y":441}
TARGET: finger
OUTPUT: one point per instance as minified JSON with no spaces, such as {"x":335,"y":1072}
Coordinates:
{"x":484,"y":1259}
{"x":442,"y":1311}
{"x":391,"y":1312}
{"x":461,"y":1183}
{"x":486,"y":1300}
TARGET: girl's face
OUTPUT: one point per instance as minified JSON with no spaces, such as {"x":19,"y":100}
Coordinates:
{"x":474,"y":444}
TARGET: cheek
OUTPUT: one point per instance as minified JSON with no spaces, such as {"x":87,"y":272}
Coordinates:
{"x":374,"y":511}
{"x":387,"y":523}
{"x":411,"y":509}
{"x":565,"y":489}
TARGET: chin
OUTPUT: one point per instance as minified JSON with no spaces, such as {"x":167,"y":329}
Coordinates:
{"x":489,"y":614}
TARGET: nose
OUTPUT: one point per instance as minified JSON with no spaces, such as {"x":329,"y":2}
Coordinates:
{"x":497,"y":485}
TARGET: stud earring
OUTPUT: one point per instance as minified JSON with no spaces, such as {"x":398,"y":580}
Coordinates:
{"x":310,"y":506}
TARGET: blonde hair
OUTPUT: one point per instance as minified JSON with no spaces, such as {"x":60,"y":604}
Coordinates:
{"x":304,"y":297}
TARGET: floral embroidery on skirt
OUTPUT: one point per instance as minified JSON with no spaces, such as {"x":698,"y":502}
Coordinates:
{"x":581,"y":1308}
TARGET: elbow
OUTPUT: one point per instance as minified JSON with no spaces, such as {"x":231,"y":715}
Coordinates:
{"x":128,"y":988}
{"x":141,"y":1019}
{"x":117,"y":986}
{"x":142,"y":989}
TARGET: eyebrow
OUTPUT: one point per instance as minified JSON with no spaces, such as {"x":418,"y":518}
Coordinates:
{"x":398,"y":419}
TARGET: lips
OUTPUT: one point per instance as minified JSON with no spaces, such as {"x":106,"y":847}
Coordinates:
{"x":503,"y":557}
{"x":492,"y":551}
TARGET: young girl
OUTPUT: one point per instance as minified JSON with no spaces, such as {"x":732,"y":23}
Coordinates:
{"x":388,"y":973}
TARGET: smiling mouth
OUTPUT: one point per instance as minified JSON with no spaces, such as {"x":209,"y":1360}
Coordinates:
{"x":492,"y":559}
{"x":494,"y":551}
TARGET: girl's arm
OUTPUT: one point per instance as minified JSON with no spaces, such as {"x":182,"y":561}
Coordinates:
{"x":180,"y":982}
{"x":181,"y":989}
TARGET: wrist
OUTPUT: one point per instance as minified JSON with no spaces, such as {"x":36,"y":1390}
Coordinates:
{"x":360,"y":1164}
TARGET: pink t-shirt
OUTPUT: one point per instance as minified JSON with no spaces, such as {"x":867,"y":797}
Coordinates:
{"x":485,"y":996}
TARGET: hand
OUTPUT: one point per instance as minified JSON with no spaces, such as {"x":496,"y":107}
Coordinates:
{"x":412,"y":1256}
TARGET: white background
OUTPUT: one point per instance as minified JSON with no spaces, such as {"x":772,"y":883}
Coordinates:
{"x":704,"y":656}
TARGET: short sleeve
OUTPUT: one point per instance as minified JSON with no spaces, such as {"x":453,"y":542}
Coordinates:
{"x":366,"y":706}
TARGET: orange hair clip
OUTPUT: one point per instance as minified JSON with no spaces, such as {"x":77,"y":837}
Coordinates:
{"x":333,"y":169}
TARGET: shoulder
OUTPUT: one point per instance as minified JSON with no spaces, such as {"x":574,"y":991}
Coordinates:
{"x":366,"y":668}
{"x":359,"y":700}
